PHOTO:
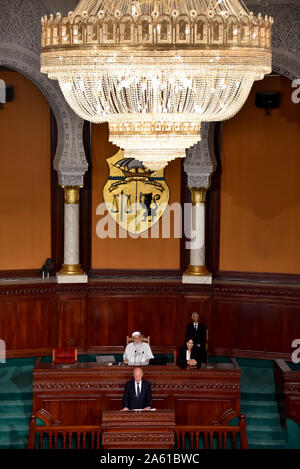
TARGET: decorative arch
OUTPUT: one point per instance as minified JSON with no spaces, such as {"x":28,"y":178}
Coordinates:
{"x":145,"y":29}
{"x":201,"y":30}
{"x":70,"y":161}
{"x":183,"y":30}
{"x":286,"y":63}
{"x":127,"y":30}
{"x":200,"y":162}
{"x":164,"y":30}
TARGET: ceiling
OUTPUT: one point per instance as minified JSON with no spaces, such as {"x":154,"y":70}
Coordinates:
{"x":64,"y":6}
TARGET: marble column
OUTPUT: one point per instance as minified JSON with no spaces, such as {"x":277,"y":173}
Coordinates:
{"x":71,"y":271}
{"x":197,"y":271}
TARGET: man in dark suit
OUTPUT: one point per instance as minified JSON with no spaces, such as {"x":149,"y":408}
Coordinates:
{"x":197,"y":332}
{"x":137,"y":394}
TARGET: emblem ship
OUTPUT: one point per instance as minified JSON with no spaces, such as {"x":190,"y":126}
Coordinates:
{"x":133,"y":168}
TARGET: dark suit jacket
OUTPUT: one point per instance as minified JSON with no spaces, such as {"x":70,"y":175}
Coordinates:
{"x":131,"y":401}
{"x":199,"y":337}
{"x":195,"y":354}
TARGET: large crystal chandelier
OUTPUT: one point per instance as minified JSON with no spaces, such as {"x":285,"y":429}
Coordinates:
{"x":155,"y":69}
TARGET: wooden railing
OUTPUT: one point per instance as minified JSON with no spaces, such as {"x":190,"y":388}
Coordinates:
{"x":54,"y":435}
{"x":210,"y":436}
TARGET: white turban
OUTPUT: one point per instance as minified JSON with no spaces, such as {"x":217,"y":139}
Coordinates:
{"x":136,"y":333}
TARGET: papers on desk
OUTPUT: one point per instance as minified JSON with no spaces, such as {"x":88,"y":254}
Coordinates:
{"x":104,"y":359}
{"x":143,"y":410}
{"x":138,"y":364}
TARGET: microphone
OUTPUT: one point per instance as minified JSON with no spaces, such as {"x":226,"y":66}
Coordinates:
{"x":134,"y":356}
{"x":141,"y":359}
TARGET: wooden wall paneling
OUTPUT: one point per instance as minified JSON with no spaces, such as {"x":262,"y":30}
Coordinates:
{"x":65,"y":407}
{"x":186,"y":391}
{"x":156,"y":317}
{"x":247,"y":320}
{"x":28,"y":325}
{"x":8,"y":323}
{"x":106,"y":321}
{"x":72,"y":321}
{"x":287,"y":385}
{"x":255,"y":327}
{"x":118,"y":317}
{"x":197,"y":410}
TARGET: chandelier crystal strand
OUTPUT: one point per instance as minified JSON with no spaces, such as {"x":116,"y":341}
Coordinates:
{"x":155,"y":69}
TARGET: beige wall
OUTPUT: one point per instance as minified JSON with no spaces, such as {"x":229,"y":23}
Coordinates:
{"x":260,"y":189}
{"x":25,"y":228}
{"x":129,"y":253}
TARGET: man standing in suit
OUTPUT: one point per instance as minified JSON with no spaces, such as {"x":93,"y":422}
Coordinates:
{"x":137,"y":394}
{"x":197,"y":332}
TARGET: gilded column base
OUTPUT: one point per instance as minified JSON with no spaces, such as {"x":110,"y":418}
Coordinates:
{"x":198,"y":270}
{"x":68,"y":269}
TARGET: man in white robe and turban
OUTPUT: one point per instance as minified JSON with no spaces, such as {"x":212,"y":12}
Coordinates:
{"x":137,"y":352}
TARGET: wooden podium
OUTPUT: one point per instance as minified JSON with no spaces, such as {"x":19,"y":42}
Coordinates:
{"x":138,"y":429}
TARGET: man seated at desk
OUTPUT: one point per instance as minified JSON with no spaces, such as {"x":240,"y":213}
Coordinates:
{"x":137,"y":394}
{"x":137,"y":352}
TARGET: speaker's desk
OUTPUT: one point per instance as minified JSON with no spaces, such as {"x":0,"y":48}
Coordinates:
{"x":135,"y":429}
{"x":77,"y":394}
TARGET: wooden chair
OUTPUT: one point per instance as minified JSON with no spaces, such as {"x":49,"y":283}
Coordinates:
{"x":64,"y":355}
{"x":144,"y":339}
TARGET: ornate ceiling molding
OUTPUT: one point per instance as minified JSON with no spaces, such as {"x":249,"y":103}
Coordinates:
{"x":20,"y":42}
{"x":61,"y":6}
{"x":20,"y":47}
{"x":200,"y":162}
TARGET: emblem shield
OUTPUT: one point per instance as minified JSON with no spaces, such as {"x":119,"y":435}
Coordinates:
{"x":135,"y":196}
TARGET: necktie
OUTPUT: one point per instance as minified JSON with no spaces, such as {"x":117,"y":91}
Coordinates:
{"x":196,"y":326}
{"x":138,"y":392}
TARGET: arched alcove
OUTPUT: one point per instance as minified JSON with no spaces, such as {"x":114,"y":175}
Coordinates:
{"x":260,"y":196}
{"x":70,"y":161}
{"x":25,"y":177}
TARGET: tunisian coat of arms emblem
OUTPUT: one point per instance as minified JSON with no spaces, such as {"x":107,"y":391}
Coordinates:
{"x":135,"y":196}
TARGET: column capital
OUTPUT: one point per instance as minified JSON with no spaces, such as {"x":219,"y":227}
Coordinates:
{"x":200,"y":162}
{"x":72,"y":194}
{"x":198,"y":195}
